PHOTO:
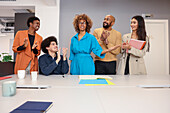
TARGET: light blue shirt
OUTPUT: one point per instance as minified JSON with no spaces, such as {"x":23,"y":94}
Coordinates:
{"x":82,"y":62}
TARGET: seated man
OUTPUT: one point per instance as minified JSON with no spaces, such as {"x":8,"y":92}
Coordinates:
{"x":52,"y":62}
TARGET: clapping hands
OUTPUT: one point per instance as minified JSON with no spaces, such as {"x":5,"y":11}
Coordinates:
{"x":25,"y":42}
{"x":64,"y":51}
{"x":104,"y":36}
{"x":126,"y":45}
{"x":58,"y":56}
{"x":35,"y":45}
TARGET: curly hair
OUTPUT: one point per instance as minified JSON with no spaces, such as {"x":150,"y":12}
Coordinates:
{"x":46,"y":43}
{"x":77,"y":18}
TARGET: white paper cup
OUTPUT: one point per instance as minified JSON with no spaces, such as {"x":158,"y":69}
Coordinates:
{"x":34,"y":75}
{"x":21,"y":74}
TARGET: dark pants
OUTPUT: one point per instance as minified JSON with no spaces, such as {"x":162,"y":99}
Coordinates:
{"x":105,"y":68}
{"x":127,"y":65}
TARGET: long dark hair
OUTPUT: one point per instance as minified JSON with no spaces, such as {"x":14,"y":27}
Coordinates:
{"x":141,"y":32}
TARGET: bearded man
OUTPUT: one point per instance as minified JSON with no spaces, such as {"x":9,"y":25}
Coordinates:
{"x":107,"y":37}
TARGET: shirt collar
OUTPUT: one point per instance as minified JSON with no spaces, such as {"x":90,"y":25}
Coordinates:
{"x":85,"y":36}
{"x":50,"y":56}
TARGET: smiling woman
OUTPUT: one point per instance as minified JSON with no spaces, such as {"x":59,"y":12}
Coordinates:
{"x":27,"y":46}
{"x":132,"y":61}
{"x":82,"y":44}
{"x":83,"y":18}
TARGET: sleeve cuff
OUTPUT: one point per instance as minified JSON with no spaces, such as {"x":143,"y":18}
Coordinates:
{"x":20,"y":48}
{"x":131,"y":50}
{"x":35,"y":51}
{"x":101,"y":55}
{"x":71,"y":58}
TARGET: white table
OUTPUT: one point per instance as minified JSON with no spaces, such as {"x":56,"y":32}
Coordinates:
{"x":70,"y":97}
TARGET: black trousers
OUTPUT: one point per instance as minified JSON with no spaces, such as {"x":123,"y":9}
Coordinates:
{"x":105,"y":68}
{"x":127,"y":65}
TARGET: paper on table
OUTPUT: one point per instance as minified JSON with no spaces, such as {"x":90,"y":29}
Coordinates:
{"x":88,"y":77}
{"x":103,"y":77}
{"x":95,"y":81}
{"x":109,"y":83}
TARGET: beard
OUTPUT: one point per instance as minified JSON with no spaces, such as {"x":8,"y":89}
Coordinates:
{"x":107,"y":25}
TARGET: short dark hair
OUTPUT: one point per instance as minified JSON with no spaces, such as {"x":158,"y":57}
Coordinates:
{"x":31,"y":19}
{"x":46,"y":43}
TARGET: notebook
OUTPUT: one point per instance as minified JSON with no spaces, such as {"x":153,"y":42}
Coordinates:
{"x":25,"y":111}
{"x":33,"y":107}
{"x":138,"y":44}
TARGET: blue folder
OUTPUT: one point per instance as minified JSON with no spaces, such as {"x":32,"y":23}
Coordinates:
{"x":95,"y":81}
{"x":33,"y":107}
{"x":25,"y":111}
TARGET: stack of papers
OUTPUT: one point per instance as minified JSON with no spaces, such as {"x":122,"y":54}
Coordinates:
{"x":94,"y":80}
{"x":33,"y":107}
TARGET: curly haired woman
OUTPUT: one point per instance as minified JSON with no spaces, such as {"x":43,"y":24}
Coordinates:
{"x":82,"y":44}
